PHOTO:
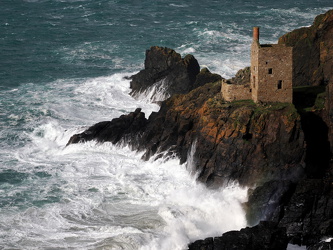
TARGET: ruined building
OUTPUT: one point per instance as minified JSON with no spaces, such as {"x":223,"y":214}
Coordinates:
{"x":271,"y":74}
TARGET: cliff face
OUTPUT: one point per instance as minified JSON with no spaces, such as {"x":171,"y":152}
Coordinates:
{"x":313,"y":51}
{"x":313,"y":61}
{"x":238,"y":141}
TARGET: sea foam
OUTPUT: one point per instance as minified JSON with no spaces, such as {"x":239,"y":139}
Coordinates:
{"x":93,"y":195}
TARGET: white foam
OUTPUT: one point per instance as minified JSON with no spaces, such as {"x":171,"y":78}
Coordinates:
{"x":109,"y":198}
{"x":179,"y":5}
{"x":155,"y":93}
{"x":328,"y":239}
{"x":94,"y":195}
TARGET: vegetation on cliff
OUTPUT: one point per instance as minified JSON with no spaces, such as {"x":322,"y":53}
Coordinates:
{"x":238,"y":141}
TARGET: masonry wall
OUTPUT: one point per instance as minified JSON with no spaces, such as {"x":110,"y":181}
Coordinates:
{"x":274,"y":71}
{"x":231,"y":92}
{"x":254,"y":69}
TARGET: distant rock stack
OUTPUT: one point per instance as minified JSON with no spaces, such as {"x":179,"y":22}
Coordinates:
{"x":167,"y":67}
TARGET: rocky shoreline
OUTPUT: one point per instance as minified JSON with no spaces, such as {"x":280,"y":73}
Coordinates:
{"x":281,"y":151}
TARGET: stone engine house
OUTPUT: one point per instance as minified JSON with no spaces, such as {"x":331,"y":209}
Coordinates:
{"x":271,"y":74}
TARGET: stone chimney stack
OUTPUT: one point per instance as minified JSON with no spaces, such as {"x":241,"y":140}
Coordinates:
{"x":256,"y":34}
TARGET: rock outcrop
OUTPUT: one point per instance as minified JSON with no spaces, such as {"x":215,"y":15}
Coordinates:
{"x":321,"y":246}
{"x":119,"y":129}
{"x":313,"y":53}
{"x":264,"y":236}
{"x":205,"y":76}
{"x":308,"y":216}
{"x":166,"y":70}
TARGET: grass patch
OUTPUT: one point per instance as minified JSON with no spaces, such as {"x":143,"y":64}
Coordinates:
{"x":240,"y":103}
{"x":289,"y":108}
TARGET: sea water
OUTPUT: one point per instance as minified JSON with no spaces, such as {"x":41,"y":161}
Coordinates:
{"x":63,"y":65}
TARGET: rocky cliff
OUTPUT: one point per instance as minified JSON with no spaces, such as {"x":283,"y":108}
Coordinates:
{"x":305,"y":207}
{"x":239,"y":141}
{"x":167,"y":71}
{"x":283,"y":153}
{"x":313,"y":52}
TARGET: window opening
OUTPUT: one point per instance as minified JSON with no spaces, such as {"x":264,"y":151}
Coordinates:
{"x":279,"y":86}
{"x":270,"y":71}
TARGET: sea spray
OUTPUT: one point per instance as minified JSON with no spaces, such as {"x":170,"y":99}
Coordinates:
{"x":63,"y":67}
{"x":108,"y":193}
{"x":93,"y":195}
{"x":156,"y":93}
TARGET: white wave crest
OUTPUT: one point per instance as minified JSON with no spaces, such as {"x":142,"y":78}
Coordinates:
{"x":156,"y":93}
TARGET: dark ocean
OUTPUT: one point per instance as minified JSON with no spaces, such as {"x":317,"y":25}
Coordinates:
{"x":62,"y":68}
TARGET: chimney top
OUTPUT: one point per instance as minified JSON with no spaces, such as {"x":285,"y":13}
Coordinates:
{"x":256,"y":34}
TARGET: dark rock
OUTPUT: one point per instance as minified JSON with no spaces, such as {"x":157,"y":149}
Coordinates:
{"x":266,"y":202}
{"x":126,"y":127}
{"x":266,"y":235}
{"x":313,"y":53}
{"x":205,"y":76}
{"x":308,"y":216}
{"x":163,"y":66}
{"x":206,"y":244}
{"x":318,"y":153}
{"x":321,"y":246}
{"x":242,"y":77}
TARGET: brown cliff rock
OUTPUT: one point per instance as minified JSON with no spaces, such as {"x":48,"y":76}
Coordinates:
{"x":313,"y":51}
{"x":238,"y":141}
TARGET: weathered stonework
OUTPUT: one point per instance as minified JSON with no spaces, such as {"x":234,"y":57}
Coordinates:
{"x":232,"y":92}
{"x":271,"y":74}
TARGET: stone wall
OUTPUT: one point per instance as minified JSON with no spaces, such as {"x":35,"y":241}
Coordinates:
{"x":274,"y":67}
{"x":271,"y":77}
{"x":254,"y":68}
{"x":231,"y":92}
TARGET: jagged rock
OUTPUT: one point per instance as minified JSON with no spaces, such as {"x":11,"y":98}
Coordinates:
{"x":265,"y":236}
{"x":321,"y":246}
{"x":266,"y":202}
{"x":313,"y":51}
{"x":308,"y":216}
{"x":242,"y":77}
{"x":125,"y":127}
{"x":205,"y":76}
{"x":165,"y":66}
